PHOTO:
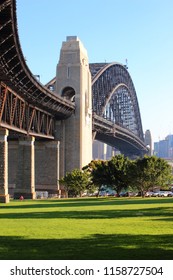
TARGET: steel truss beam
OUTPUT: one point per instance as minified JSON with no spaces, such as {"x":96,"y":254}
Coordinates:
{"x":114,"y":96}
{"x":117,"y":136}
{"x":15,"y":73}
{"x":18,"y":115}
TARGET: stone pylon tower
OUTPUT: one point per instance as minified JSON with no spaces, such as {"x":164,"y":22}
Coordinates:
{"x":148,"y":141}
{"x":73,"y":82}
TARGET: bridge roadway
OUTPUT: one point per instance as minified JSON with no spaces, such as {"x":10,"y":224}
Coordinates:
{"x":28,"y":107}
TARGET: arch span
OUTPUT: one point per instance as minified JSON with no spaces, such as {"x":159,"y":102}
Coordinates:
{"x":111,"y":83}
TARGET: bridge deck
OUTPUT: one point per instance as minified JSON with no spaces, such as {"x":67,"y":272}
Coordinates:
{"x":15,"y":73}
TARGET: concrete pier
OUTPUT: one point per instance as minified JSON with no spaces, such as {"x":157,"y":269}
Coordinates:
{"x":4,"y":195}
{"x":25,"y":180}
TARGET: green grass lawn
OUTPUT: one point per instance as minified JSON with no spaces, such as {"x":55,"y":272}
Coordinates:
{"x":87,"y":228}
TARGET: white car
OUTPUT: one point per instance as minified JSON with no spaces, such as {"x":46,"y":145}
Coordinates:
{"x":165,"y":193}
{"x":170,"y":194}
{"x":162,"y":193}
{"x":155,"y":194}
{"x":148,"y":194}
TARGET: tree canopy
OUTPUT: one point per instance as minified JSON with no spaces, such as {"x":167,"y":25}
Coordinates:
{"x":149,"y":172}
{"x":114,"y":172}
{"x":75,"y":182}
{"x":119,"y":173}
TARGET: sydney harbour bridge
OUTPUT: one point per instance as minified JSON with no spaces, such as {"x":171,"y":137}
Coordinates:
{"x":31,"y":110}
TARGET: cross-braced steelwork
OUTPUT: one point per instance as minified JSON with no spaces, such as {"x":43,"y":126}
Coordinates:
{"x":18,"y":115}
{"x":115,"y":100}
{"x":15,"y":73}
{"x":116,"y":116}
{"x":114,"y":96}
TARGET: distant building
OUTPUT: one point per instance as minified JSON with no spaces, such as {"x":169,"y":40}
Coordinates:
{"x":103,"y":151}
{"x":156,"y":148}
{"x":148,"y":141}
{"x":169,"y":138}
{"x":164,"y":148}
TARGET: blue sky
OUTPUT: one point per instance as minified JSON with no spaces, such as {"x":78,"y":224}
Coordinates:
{"x":140,"y":31}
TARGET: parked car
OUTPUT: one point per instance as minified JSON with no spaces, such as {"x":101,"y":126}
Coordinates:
{"x":124,"y":194}
{"x":165,"y":193}
{"x":148,"y":194}
{"x":170,"y":194}
{"x":155,"y":194}
{"x":161,"y":193}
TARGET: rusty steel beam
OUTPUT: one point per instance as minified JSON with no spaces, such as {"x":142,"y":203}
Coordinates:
{"x":15,"y":73}
{"x":18,"y":115}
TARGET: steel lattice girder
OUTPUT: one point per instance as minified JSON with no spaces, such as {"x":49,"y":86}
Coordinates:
{"x":107,"y":81}
{"x":117,"y":136}
{"x":16,"y":114}
{"x":15,"y":73}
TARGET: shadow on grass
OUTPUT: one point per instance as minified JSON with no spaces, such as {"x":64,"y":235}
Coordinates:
{"x":163,"y":213}
{"x":82,"y":202}
{"x":105,"y":247}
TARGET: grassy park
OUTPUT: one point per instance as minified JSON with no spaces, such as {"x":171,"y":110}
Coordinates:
{"x":87,"y":228}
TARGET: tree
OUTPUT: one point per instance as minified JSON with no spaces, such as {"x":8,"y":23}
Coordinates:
{"x":118,"y":173}
{"x":75,"y":182}
{"x":114,"y":173}
{"x":149,"y":172}
{"x":98,"y":173}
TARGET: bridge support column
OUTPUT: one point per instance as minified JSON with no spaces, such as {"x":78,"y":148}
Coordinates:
{"x":25,"y":181}
{"x":60,"y":135}
{"x":47,"y":166}
{"x":73,"y":82}
{"x":12,"y":164}
{"x":4,"y":196}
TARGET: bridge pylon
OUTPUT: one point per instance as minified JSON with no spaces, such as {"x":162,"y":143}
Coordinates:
{"x":73,"y":82}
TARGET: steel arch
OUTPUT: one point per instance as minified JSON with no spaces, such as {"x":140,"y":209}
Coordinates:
{"x":107,"y":80}
{"x":15,"y":73}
